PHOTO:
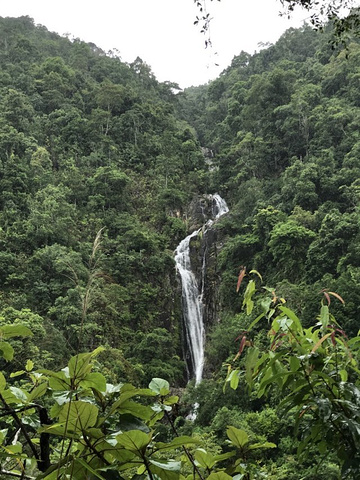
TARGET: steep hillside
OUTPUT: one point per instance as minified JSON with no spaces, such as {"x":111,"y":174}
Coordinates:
{"x":89,"y":143}
{"x":283,"y":126}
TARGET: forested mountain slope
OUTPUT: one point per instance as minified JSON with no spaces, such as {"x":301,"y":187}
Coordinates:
{"x":284,"y":129}
{"x":88,"y":142}
{"x":99,"y":166}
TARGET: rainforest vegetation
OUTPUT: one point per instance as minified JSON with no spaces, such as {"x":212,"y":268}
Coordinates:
{"x":99,"y":165}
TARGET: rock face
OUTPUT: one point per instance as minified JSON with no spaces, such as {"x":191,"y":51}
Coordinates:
{"x":204,"y":247}
{"x":204,"y":250}
{"x":200,"y":211}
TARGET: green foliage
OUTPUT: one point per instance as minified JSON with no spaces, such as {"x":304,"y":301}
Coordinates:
{"x":316,"y":372}
{"x":289,"y":242}
{"x":158,"y":340}
{"x":88,"y":142}
{"x":72,"y":423}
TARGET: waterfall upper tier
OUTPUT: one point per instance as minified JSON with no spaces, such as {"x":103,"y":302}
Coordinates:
{"x":220,"y":207}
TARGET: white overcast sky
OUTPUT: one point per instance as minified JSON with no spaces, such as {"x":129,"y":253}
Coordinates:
{"x":161,"y":32}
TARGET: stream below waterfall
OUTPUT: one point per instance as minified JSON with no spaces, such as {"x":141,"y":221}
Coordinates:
{"x":192,"y":298}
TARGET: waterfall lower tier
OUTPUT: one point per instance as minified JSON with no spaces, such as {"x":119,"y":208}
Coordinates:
{"x":192,"y":301}
{"x":192,"y":307}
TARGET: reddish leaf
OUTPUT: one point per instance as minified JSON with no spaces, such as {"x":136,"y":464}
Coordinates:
{"x":338,"y":330}
{"x":318,"y":344}
{"x":326,"y":295}
{"x":240,"y":278}
{"x":336,"y":295}
{"x":277,"y":342}
{"x":243,"y":332}
{"x":242,"y":344}
{"x":303,"y":411}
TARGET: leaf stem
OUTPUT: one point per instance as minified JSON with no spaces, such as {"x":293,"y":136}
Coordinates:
{"x":22,"y":427}
{"x":187,"y":453}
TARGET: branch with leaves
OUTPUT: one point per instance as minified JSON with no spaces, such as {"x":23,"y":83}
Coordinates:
{"x":203,"y":20}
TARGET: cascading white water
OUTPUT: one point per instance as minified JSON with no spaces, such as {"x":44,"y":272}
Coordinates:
{"x":191,"y":297}
{"x":192,"y":306}
{"x":220,"y":206}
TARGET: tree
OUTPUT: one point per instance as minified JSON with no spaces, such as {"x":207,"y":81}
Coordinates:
{"x":288,"y":244}
{"x":52,"y":219}
{"x":336,"y":234}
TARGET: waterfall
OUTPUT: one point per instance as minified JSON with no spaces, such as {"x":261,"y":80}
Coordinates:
{"x":191,"y":297}
{"x":220,"y":207}
{"x":192,"y":306}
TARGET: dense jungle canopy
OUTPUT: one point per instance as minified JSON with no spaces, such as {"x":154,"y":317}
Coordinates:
{"x":99,"y":165}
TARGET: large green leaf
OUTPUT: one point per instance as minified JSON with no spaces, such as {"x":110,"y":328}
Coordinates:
{"x":9,"y":331}
{"x":165,"y":470}
{"x":87,"y":467}
{"x":94,"y":380}
{"x":141,"y":411}
{"x":78,"y":415}
{"x":128,"y":391}
{"x":324,"y":316}
{"x":134,"y":440}
{"x":174,"y":399}
{"x":294,"y":363}
{"x":60,"y":384}
{"x":20,"y":394}
{"x":59,"y":430}
{"x":248,"y":301}
{"x":283,"y":323}
{"x":290,"y":314}
{"x":2,"y":382}
{"x":9,"y":397}
{"x":121,"y":455}
{"x":80,"y":365}
{"x":204,"y":459}
{"x":130,"y":422}
{"x":219,"y":476}
{"x":3,"y":434}
{"x":29,"y":365}
{"x":224,"y":456}
{"x":159,"y":386}
{"x":58,"y":380}
{"x":37,"y":392}
{"x":252,"y":357}
{"x":6,"y":351}
{"x":234,"y":379}
{"x":177,"y":442}
{"x":237,"y":437}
